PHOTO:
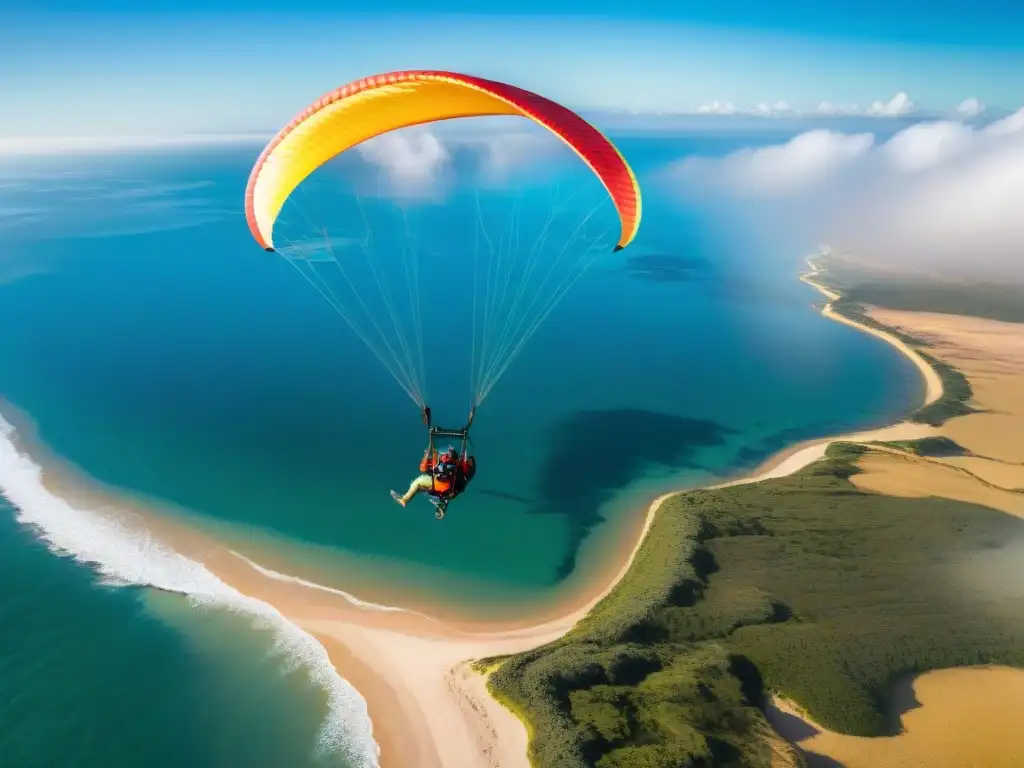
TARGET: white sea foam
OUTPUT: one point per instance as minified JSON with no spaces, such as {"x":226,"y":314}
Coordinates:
{"x":124,"y":556}
{"x":365,"y":604}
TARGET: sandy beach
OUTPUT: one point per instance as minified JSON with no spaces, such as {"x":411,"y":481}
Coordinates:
{"x":428,"y":707}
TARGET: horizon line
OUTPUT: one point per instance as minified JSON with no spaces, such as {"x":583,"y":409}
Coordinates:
{"x":15,"y":146}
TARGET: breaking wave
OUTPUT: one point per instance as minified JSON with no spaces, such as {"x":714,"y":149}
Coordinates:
{"x":124,"y":556}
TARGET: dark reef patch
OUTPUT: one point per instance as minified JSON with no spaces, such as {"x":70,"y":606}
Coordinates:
{"x":592,"y":454}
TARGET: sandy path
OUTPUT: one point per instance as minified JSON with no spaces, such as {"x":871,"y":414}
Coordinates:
{"x":998,"y":473}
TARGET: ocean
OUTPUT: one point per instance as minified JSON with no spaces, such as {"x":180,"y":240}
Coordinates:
{"x":150,"y":345}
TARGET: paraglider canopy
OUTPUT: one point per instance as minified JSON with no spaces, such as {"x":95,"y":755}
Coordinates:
{"x":510,"y":311}
{"x":371,"y":106}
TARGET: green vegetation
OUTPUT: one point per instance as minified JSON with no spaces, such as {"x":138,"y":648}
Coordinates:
{"x":956,"y":394}
{"x":922,"y":293}
{"x":994,"y":302}
{"x":928,"y":446}
{"x":802,"y":585}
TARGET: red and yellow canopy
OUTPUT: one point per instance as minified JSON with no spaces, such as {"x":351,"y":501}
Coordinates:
{"x":369,"y":107}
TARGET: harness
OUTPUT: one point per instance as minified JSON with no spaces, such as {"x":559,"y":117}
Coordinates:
{"x":438,"y":497}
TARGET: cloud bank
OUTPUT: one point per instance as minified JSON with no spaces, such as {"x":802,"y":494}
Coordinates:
{"x":941,"y":195}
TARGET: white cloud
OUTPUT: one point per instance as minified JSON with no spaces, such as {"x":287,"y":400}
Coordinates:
{"x":420,"y":161}
{"x":717,"y":108}
{"x":900,"y":104}
{"x":23,"y":146}
{"x":803,"y":161}
{"x":927,"y":144}
{"x":411,"y":160}
{"x":504,"y":153}
{"x":970,"y":108}
{"x":765,"y":109}
{"x":942,"y":195}
{"x":828,"y":108}
{"x":1008,"y":125}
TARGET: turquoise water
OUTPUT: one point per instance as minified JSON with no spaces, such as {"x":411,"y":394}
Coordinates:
{"x":156,"y":347}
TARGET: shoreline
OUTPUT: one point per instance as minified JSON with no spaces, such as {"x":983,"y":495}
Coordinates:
{"x":404,"y":661}
{"x":933,"y":382}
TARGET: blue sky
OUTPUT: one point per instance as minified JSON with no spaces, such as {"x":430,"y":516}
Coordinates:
{"x":102,"y":68}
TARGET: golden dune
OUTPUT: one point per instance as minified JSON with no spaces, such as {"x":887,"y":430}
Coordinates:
{"x":957,"y":718}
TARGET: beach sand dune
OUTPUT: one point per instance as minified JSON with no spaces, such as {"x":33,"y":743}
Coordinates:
{"x":912,"y":476}
{"x":998,"y":473}
{"x":955,"y":718}
{"x":991,"y":355}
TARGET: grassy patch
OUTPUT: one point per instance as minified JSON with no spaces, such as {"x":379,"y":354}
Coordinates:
{"x":956,"y":394}
{"x":916,"y":292}
{"x":934,"y":447}
{"x":994,"y":302}
{"x":803,"y":585}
